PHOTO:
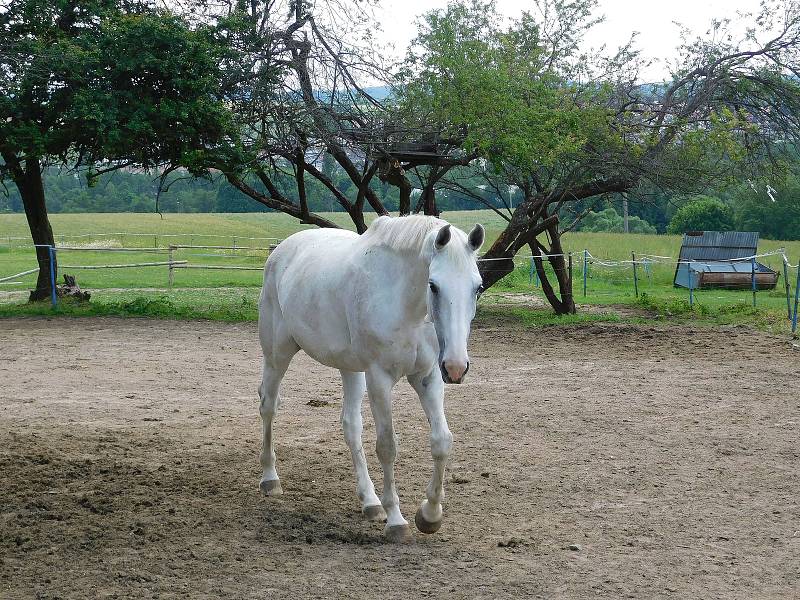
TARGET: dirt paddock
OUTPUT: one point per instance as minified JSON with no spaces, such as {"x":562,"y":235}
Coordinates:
{"x":597,"y":461}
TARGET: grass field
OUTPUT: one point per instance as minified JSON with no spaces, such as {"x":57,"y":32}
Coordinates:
{"x":237,"y":289}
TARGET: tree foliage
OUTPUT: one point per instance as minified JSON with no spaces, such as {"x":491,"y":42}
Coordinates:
{"x":702,"y":213}
{"x":609,"y":220}
{"x":101,"y":84}
{"x":773,"y":211}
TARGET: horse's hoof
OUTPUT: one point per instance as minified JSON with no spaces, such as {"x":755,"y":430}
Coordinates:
{"x":271,"y":487}
{"x":374,"y":513}
{"x":398,"y":534}
{"x":424,"y":525}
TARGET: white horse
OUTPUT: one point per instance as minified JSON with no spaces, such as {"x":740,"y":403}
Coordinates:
{"x":396,"y":301}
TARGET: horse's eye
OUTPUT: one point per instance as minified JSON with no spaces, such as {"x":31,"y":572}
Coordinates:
{"x":434,"y":289}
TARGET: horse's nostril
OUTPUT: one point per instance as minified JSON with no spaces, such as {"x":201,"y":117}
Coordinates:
{"x":443,"y":370}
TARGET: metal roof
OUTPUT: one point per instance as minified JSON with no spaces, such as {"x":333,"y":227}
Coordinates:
{"x":716,"y":252}
{"x":744,"y":266}
{"x":718,"y":245}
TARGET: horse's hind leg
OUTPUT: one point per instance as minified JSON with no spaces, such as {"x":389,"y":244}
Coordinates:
{"x":352,"y":423}
{"x":278,"y":348}
{"x":270,"y":400}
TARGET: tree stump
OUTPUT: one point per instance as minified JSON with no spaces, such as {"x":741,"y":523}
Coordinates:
{"x":70,"y":289}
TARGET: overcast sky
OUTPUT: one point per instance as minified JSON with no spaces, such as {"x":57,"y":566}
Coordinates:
{"x":653,"y":19}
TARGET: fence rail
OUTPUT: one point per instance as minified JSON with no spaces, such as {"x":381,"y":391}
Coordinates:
{"x":21,"y":241}
{"x":638,"y":270}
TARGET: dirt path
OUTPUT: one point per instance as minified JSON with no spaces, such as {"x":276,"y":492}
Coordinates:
{"x":667,"y":457}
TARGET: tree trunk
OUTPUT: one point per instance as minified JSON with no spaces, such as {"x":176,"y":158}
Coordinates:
{"x":563,"y":276}
{"x":625,"y":226}
{"x":392,"y":173}
{"x":498,"y":261}
{"x":31,"y":189}
{"x":563,"y":305}
{"x":429,"y":201}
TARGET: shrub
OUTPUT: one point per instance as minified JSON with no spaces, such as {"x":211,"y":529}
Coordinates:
{"x":609,"y":220}
{"x":702,"y":213}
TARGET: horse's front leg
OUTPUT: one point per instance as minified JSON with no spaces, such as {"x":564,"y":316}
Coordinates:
{"x":352,"y":424}
{"x":379,"y":388}
{"x":430,"y":389}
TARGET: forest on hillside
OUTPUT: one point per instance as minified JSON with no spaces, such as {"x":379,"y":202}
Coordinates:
{"x":773,"y":211}
{"x":129,"y":191}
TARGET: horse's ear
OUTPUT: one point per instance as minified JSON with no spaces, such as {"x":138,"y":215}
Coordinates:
{"x":443,"y":237}
{"x":476,"y":237}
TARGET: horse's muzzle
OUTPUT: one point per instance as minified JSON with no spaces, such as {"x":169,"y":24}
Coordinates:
{"x":446,"y":376}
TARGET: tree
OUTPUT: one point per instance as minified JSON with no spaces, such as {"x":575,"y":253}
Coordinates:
{"x":568,"y":128}
{"x":291,"y":80}
{"x":609,"y":220}
{"x":774,"y":212}
{"x":702,"y":213}
{"x":100,"y":84}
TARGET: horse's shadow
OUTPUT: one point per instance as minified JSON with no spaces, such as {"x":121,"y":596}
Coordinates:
{"x":294,"y":521}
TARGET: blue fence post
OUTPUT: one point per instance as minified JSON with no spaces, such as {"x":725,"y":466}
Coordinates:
{"x":787,"y":285}
{"x":532,"y":271}
{"x":53,"y":298}
{"x":533,"y":276}
{"x":796,"y":297}
{"x":691,"y":284}
{"x":753,"y":277}
{"x":585,"y":269}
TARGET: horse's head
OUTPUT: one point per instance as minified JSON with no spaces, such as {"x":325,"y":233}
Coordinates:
{"x":453,"y":287}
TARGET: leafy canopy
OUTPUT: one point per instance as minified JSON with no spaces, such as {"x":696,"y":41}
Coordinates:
{"x":107,"y":80}
{"x":502,"y":88}
{"x":609,"y":220}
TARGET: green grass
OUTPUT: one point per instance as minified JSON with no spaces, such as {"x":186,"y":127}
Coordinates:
{"x":195,"y":229}
{"x":213,"y":304}
{"x":218,"y":294}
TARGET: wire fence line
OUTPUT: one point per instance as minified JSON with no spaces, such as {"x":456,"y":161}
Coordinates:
{"x":638,"y":272}
{"x":61,"y":239}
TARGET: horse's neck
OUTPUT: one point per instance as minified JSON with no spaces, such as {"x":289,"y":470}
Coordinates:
{"x":414,"y":276}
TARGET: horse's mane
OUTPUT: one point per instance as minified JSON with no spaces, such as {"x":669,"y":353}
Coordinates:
{"x":405,"y":233}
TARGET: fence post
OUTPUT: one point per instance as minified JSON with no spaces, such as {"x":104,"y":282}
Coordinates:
{"x":171,"y":270}
{"x":635,"y":279}
{"x":753,"y":277}
{"x":155,"y":241}
{"x":787,"y":285}
{"x":691,"y":284}
{"x":53,"y":297}
{"x":530,"y":273}
{"x":569,"y":269}
{"x":585,"y":269}
{"x":796,"y":297}
{"x":533,"y":276}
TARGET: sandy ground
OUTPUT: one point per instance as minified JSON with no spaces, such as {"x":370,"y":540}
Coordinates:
{"x":667,"y":458}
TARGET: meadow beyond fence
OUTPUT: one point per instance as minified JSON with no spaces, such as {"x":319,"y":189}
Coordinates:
{"x":114,"y":253}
